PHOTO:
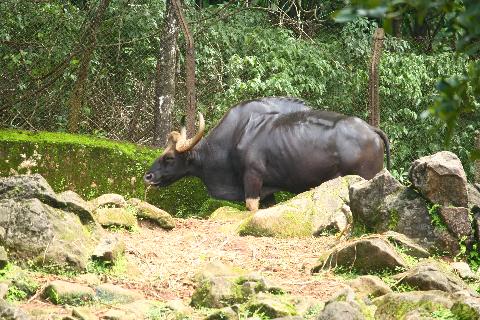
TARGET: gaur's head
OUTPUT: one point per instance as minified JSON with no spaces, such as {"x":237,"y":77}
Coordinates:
{"x":174,"y":164}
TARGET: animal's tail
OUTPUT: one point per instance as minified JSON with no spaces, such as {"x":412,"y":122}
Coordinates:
{"x":386,"y":143}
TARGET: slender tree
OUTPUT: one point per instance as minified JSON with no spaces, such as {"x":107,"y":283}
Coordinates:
{"x":165,"y":76}
{"x":189,"y":68}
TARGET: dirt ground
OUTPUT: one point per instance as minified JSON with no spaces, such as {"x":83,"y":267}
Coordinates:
{"x":161,"y":264}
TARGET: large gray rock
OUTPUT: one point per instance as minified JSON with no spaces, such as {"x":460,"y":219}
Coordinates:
{"x":365,"y":255}
{"x":320,"y":210}
{"x":441,"y":179}
{"x":8,"y":312}
{"x":383,"y":203}
{"x":462,"y":269}
{"x":43,"y":234}
{"x":21,"y":187}
{"x":405,"y":304}
{"x":430,"y":277}
{"x":457,"y":220}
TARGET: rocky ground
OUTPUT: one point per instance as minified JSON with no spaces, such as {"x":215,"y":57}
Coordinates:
{"x":161,"y":264}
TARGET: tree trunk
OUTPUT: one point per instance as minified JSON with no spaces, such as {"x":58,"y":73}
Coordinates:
{"x":477,"y":162}
{"x":77,"y":95}
{"x":189,"y":69}
{"x":165,"y":77}
{"x":373,"y":85}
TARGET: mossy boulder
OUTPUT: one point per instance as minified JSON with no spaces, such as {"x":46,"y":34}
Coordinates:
{"x":219,"y":285}
{"x":91,"y":167}
{"x":365,"y":255}
{"x":63,"y":292}
{"x":148,"y":211}
{"x":399,"y":305}
{"x":116,"y":217}
{"x":272,"y":306}
{"x":323,"y":209}
{"x":9,"y":312}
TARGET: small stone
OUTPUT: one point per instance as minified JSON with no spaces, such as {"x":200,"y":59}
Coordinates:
{"x":116,"y":217}
{"x":77,"y":205}
{"x":83,"y":314}
{"x":429,"y":277}
{"x":223,"y":314}
{"x":111,"y":200}
{"x":3,"y":257}
{"x":457,"y":221}
{"x":365,"y":255}
{"x":109,"y":249}
{"x":62,"y":292}
{"x":148,"y":211}
{"x":463,"y":270}
{"x":369,"y":286}
{"x":112,"y":294}
{"x":3,"y":290}
{"x":178,"y":306}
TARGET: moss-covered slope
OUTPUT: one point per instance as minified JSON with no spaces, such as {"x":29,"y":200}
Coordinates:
{"x":91,"y":166}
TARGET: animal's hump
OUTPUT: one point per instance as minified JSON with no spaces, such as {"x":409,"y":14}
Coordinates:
{"x":318,"y":117}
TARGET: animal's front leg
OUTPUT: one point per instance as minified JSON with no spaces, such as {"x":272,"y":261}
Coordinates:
{"x":252,"y":184}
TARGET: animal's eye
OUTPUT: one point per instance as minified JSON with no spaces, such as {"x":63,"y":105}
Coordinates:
{"x":168,"y":159}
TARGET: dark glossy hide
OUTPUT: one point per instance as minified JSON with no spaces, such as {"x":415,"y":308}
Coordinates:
{"x":271,"y":144}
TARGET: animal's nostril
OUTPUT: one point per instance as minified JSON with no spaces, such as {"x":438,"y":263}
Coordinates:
{"x":148,"y":177}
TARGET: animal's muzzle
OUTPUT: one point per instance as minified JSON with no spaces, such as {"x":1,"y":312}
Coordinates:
{"x":148,"y":178}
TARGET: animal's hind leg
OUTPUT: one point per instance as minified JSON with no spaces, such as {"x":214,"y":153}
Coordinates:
{"x":252,"y":184}
{"x":268,"y":201}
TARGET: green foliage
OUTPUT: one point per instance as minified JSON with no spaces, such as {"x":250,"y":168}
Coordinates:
{"x":457,"y":94}
{"x":434,"y":213}
{"x":471,"y":255}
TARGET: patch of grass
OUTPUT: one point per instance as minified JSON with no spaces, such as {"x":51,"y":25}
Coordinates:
{"x":314,"y":311}
{"x":161,"y":312}
{"x":53,"y":268}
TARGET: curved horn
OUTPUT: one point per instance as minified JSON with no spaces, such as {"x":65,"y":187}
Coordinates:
{"x":184,"y":145}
